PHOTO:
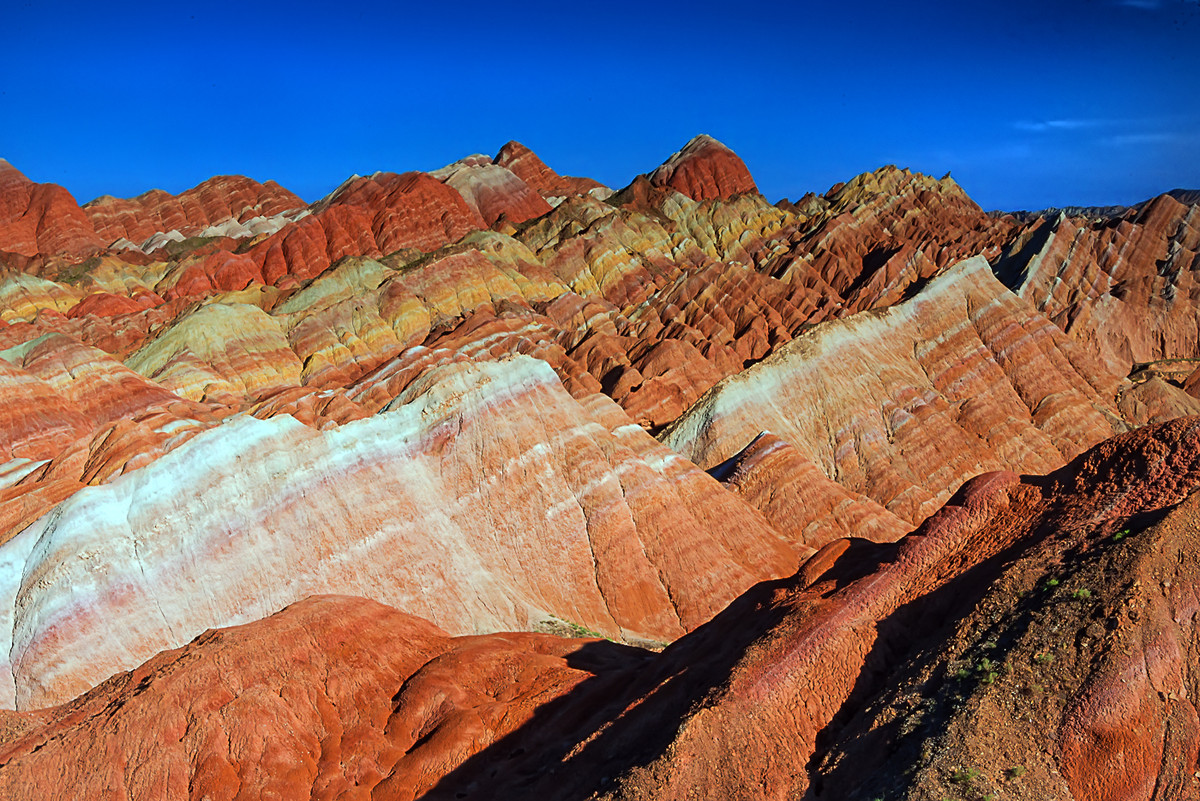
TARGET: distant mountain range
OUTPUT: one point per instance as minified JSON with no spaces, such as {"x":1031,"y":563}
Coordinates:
{"x":1187,"y":196}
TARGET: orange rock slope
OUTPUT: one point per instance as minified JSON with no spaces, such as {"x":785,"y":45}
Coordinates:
{"x":419,"y":412}
{"x":834,"y":682}
{"x":1126,"y":288}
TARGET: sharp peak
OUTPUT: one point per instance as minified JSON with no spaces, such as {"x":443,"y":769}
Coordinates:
{"x":890,"y":172}
{"x":694,"y":145}
{"x":704,"y":139}
{"x":697,"y":143}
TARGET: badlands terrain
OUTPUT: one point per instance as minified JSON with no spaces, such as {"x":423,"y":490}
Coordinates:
{"x":494,"y":483}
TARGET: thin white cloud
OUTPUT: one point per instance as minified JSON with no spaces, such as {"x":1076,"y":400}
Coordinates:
{"x":1043,"y":126}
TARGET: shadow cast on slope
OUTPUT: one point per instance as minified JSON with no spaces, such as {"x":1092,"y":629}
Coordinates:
{"x":855,"y":756}
{"x":575,"y":746}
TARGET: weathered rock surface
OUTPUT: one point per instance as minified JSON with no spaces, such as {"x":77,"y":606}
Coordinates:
{"x":1125,"y":288}
{"x":877,"y":235}
{"x":902,"y":405}
{"x":524,"y":163}
{"x":703,"y":170}
{"x":215,"y":405}
{"x":469,"y":509}
{"x":41,"y":218}
{"x":218,"y":200}
{"x":223,"y":352}
{"x":492,"y":191}
{"x":822,"y":685}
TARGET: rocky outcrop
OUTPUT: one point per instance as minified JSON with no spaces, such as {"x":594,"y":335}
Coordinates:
{"x":197,"y":211}
{"x":873,"y":238}
{"x":524,"y":163}
{"x":1126,"y":288}
{"x":492,"y":191}
{"x":470,"y":510}
{"x":875,"y":668}
{"x":704,"y":169}
{"x":41,"y":218}
{"x":307,"y":699}
{"x":902,"y":405}
{"x":223,"y":352}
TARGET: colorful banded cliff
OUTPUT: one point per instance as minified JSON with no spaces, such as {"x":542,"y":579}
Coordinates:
{"x":491,"y":482}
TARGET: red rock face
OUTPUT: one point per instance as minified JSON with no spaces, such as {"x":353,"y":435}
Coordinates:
{"x":524,"y":163}
{"x":492,"y":191}
{"x":434,"y":390}
{"x":225,"y":197}
{"x":893,"y":429}
{"x":703,"y":170}
{"x":41,"y":218}
{"x":1127,"y":289}
{"x":885,"y":230}
{"x":409,"y":710}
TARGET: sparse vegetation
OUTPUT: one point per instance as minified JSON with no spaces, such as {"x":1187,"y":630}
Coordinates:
{"x":1043,"y":658}
{"x":1082,"y":594}
{"x":965,"y":775}
{"x":565,"y":628}
{"x":1016,"y":771}
{"x":1052,"y":582}
{"x":76,"y":273}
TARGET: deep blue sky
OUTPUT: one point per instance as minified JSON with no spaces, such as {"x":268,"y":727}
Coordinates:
{"x":1030,"y":104}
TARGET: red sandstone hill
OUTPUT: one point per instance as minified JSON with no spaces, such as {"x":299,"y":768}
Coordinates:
{"x":41,"y":218}
{"x":525,"y":164}
{"x":704,"y":169}
{"x":360,"y":440}
{"x":225,"y":197}
{"x":1013,"y":645}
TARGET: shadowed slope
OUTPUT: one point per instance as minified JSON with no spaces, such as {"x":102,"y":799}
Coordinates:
{"x":768,"y":700}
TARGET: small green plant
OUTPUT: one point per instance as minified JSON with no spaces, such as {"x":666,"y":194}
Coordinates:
{"x":1015,"y":772}
{"x":1120,"y":535}
{"x":1052,"y":582}
{"x":965,"y":775}
{"x":1082,"y":594}
{"x":557,"y":625}
{"x":1043,"y":658}
{"x":987,"y":670}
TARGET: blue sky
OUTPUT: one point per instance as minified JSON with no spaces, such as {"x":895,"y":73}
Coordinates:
{"x":1029,"y":104}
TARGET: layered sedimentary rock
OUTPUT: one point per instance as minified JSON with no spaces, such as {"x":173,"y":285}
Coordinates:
{"x":1125,"y":288}
{"x":327,"y":671}
{"x":524,"y":163}
{"x":902,"y":405}
{"x":836,"y":633}
{"x":828,"y":682}
{"x":41,"y":218}
{"x":492,"y":191}
{"x":471,"y":511}
{"x":198,"y":210}
{"x":370,"y":216}
{"x":433,"y":391}
{"x":101,"y":387}
{"x":878,"y":234}
{"x":223,"y":352}
{"x":679,"y":294}
{"x":704,"y":169}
